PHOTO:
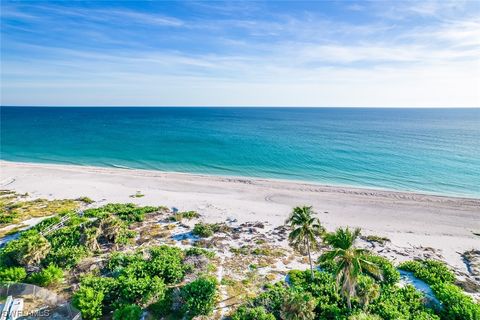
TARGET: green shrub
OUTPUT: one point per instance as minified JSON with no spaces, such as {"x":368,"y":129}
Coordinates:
{"x":205,"y":230}
{"x":272,"y":298}
{"x":47,"y":223}
{"x":364,"y":316}
{"x":167,"y":263}
{"x":88,"y":302}
{"x":162,"y":307}
{"x":404,"y":303}
{"x":106,"y":285}
{"x":65,"y":237}
{"x":199,"y":297}
{"x":190,"y":214}
{"x":49,"y":275}
{"x":252,"y":313}
{"x":194,"y":251}
{"x":128,"y":212}
{"x":128,"y":312}
{"x":184,"y":215}
{"x":330,"y":305}
{"x":431,"y":271}
{"x":456,"y":304}
{"x":29,"y":249}
{"x":367,"y":290}
{"x":328,"y":266}
{"x":137,"y":286}
{"x":119,"y":260}
{"x":66,"y":257}
{"x":390,"y":274}
{"x":202,"y":230}
{"x":85,"y":200}
{"x":12,"y":274}
{"x":134,"y":279}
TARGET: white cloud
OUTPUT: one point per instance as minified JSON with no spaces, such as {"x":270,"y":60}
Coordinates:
{"x":313,"y":62}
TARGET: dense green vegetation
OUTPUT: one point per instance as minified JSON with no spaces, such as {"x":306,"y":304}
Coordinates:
{"x":12,"y":274}
{"x":455,"y":303}
{"x":127,"y":212}
{"x":350,"y":283}
{"x":48,"y":276}
{"x":142,"y":279}
{"x":199,"y":297}
{"x":128,"y":312}
{"x":430,"y":271}
{"x":355,"y":284}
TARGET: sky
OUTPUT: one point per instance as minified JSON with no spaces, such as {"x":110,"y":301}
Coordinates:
{"x":245,"y":53}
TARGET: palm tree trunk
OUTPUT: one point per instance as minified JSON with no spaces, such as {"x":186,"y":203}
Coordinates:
{"x":310,"y":258}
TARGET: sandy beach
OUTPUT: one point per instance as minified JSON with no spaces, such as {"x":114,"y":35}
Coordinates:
{"x":411,"y":221}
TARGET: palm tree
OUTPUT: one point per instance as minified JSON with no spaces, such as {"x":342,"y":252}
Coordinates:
{"x":350,"y":261}
{"x":298,"y":305}
{"x":306,"y":230}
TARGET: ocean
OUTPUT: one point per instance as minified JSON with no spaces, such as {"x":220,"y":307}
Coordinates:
{"x":434,"y":151}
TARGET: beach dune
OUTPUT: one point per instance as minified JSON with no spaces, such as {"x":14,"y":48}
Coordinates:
{"x":447,"y":224}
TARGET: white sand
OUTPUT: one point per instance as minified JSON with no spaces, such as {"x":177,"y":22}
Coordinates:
{"x":409,"y":220}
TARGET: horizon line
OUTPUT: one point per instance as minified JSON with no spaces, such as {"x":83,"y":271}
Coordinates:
{"x":237,"y":106}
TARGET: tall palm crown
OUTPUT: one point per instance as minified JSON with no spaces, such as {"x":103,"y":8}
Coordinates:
{"x":350,"y":261}
{"x":305,"y":233}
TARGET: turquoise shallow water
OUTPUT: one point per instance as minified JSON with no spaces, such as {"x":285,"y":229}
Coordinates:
{"x":427,"y":150}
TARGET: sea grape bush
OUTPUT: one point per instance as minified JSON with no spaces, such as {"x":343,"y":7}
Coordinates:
{"x":194,"y":251}
{"x":47,"y":276}
{"x":390,"y":274}
{"x":128,"y":312}
{"x":401,"y":303}
{"x":203,"y":230}
{"x":12,"y":274}
{"x":128,"y":212}
{"x":456,"y":305}
{"x":252,"y":313}
{"x":199,"y":297}
{"x":29,"y":249}
{"x":430,"y":271}
{"x":142,"y":278}
{"x":89,"y":302}
{"x":166,"y":262}
{"x":179,"y":216}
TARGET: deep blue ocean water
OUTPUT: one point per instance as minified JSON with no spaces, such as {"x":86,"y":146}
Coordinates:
{"x":427,"y":150}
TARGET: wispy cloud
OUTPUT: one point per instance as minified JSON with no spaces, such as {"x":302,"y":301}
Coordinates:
{"x":205,"y":53}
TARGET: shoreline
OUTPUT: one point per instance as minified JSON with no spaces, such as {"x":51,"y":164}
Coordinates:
{"x":250,"y":179}
{"x":413,"y":222}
